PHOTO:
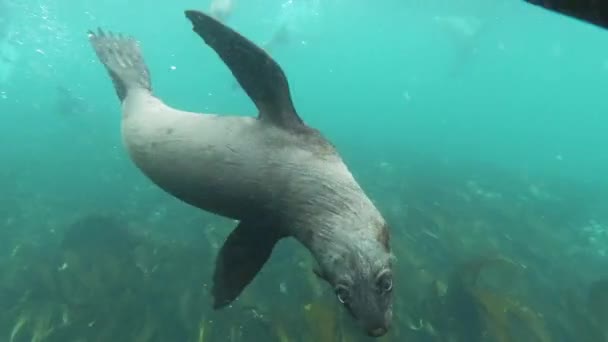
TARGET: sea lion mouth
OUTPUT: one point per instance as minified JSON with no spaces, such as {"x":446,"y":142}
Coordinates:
{"x":378,"y":328}
{"x":377,"y":332}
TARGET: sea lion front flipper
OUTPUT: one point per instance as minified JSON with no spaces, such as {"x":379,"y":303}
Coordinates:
{"x":258,"y":74}
{"x":241,"y":257}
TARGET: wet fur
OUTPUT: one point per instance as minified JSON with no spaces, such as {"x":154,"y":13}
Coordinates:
{"x":271,"y":172}
{"x":239,"y":167}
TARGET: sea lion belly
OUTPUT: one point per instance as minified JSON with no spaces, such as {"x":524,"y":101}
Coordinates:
{"x":228,"y":165}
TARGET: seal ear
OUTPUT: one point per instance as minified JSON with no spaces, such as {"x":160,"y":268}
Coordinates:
{"x":317,"y":272}
{"x":384,"y":238}
{"x":258,"y":74}
{"x":241,"y":257}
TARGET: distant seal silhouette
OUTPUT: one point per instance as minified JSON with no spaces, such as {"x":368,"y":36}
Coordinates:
{"x":276,"y":175}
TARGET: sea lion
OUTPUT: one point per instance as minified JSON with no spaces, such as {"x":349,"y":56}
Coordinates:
{"x":278,"y":176}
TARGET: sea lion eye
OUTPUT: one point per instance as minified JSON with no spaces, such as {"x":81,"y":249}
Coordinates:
{"x":385,"y":282}
{"x":343,"y":294}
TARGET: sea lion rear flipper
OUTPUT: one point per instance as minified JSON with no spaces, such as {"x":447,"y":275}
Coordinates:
{"x":258,"y":74}
{"x":244,"y":253}
{"x":123,"y":60}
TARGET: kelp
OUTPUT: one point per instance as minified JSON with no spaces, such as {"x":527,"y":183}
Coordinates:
{"x":90,"y":287}
{"x":597,"y":303}
{"x":323,"y":317}
{"x":507,"y":320}
{"x":465,"y":309}
{"x":106,"y":282}
{"x":117,"y":290}
{"x":580,"y":316}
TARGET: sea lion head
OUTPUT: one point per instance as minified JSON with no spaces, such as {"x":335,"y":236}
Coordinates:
{"x":361,"y":275}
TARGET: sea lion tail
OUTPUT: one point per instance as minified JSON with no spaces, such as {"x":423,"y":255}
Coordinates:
{"x":123,"y":60}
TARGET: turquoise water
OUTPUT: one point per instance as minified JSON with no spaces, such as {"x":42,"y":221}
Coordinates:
{"x":398,"y":86}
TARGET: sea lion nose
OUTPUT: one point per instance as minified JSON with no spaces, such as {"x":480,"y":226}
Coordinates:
{"x":377,"y":332}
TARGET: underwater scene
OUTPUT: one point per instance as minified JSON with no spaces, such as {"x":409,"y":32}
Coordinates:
{"x":388,"y":170}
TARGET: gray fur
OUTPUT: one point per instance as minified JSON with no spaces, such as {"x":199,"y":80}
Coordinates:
{"x":247,"y":169}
